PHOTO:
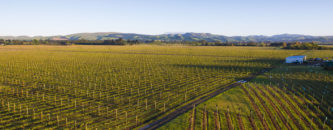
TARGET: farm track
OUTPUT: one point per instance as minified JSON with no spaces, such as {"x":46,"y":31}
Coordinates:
{"x":158,"y":123}
{"x":106,"y":87}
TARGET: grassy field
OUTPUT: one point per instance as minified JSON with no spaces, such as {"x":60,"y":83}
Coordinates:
{"x":288,"y":97}
{"x":127,"y":86}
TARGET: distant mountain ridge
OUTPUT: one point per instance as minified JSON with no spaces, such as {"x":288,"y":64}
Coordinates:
{"x":180,"y":37}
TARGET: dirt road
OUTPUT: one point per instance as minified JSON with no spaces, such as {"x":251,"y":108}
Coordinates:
{"x":158,"y":123}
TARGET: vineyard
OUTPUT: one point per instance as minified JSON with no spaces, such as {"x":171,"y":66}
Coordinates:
{"x":288,"y":97}
{"x":124,"y":87}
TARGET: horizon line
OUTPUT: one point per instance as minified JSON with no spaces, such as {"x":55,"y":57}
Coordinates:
{"x":162,"y":34}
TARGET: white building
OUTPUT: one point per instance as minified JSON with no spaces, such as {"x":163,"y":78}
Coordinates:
{"x":295,"y":59}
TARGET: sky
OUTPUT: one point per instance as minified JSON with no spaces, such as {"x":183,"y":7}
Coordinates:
{"x":224,"y":17}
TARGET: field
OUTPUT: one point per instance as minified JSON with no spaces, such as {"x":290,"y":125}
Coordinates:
{"x":123,"y":87}
{"x":288,"y":97}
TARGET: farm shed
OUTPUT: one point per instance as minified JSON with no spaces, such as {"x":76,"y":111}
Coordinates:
{"x":296,"y":59}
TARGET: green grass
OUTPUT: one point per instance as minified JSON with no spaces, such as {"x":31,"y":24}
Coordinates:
{"x":285,"y":79}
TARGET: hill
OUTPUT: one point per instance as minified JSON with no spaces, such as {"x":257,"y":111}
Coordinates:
{"x":181,"y":37}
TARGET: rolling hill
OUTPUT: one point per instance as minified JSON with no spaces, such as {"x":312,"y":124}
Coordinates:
{"x":181,"y":37}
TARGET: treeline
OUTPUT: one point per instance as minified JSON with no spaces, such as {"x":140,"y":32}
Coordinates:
{"x":120,"y":41}
{"x":304,"y":46}
{"x":34,"y":42}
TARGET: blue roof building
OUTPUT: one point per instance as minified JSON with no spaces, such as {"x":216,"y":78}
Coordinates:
{"x":296,"y":59}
